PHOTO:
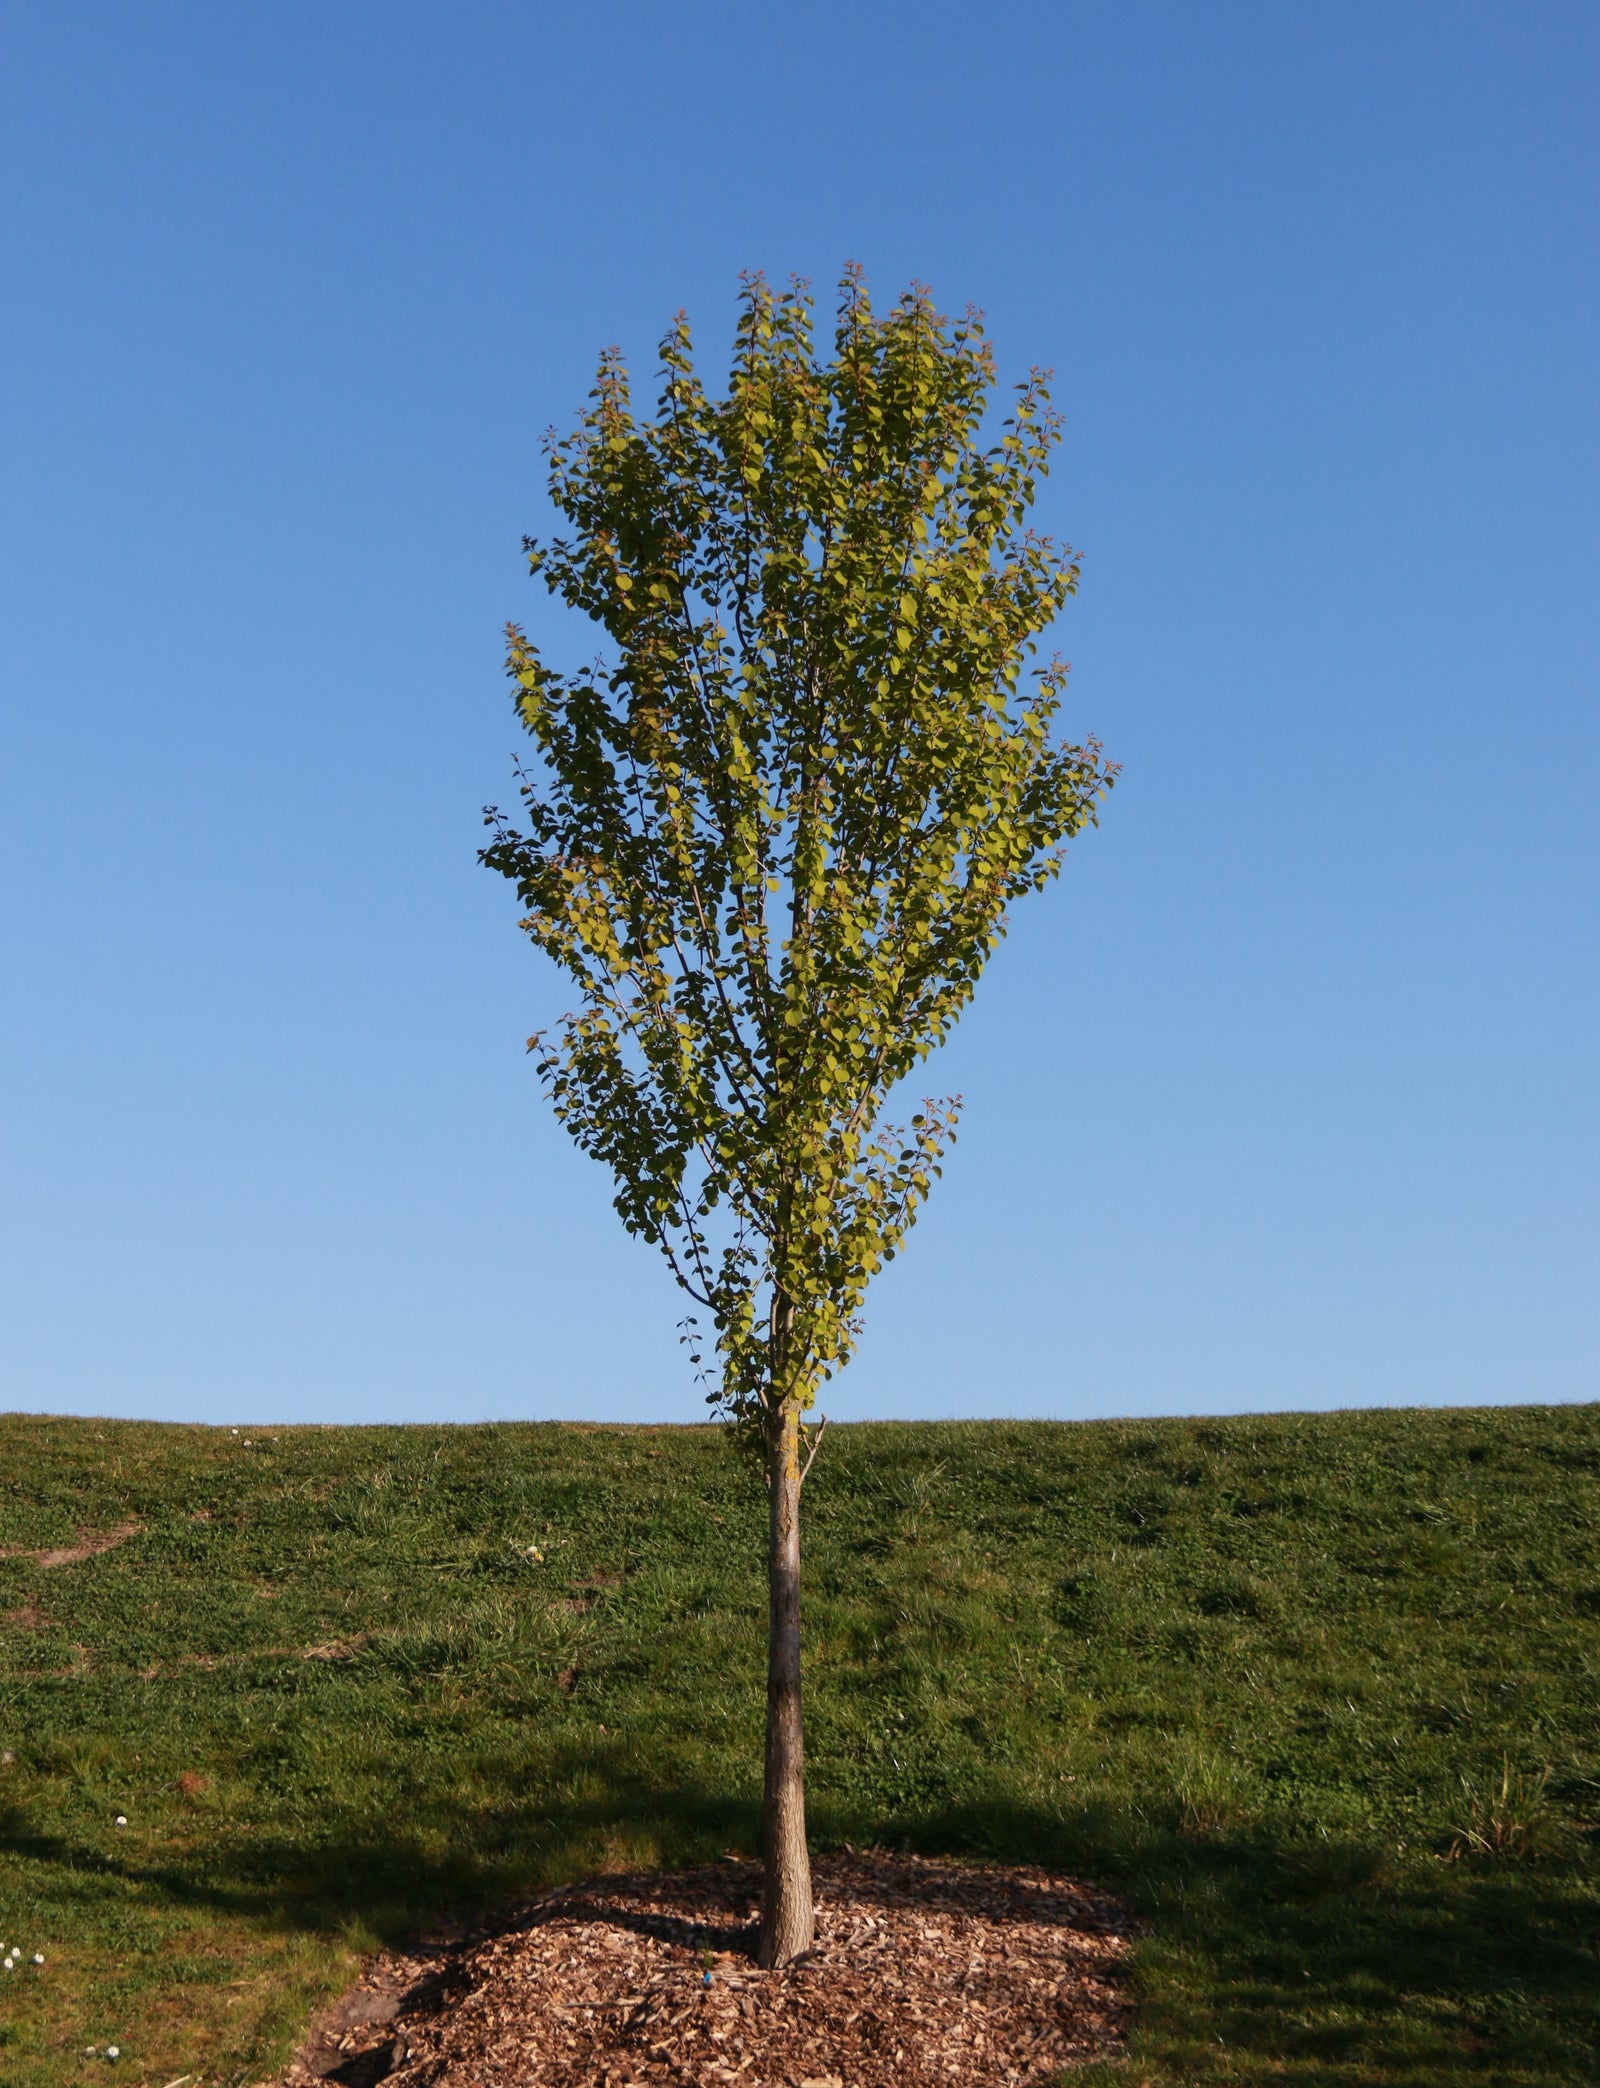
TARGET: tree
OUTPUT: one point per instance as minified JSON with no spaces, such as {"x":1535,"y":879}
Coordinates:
{"x":774,"y":841}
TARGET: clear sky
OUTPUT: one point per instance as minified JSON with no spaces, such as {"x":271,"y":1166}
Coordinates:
{"x":1286,"y":1096}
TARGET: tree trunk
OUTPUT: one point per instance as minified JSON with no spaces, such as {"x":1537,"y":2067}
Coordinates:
{"x":787,"y":1926}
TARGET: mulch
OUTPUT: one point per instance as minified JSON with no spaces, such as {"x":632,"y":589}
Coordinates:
{"x":924,"y":1972}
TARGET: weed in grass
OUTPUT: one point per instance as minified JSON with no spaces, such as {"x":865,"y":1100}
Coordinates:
{"x":1210,"y":1794}
{"x":1509,"y":1816}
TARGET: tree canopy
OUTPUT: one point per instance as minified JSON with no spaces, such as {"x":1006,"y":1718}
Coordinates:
{"x":773,"y":838}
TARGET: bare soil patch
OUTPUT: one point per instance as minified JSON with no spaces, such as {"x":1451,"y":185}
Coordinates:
{"x":336,"y":1649}
{"x":89,"y":1544}
{"x":925,"y":1972}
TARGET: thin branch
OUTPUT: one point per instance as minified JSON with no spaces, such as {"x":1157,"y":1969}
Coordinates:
{"x":816,"y":1445}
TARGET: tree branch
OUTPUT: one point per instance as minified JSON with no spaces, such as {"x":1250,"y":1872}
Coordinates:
{"x":816,"y":1445}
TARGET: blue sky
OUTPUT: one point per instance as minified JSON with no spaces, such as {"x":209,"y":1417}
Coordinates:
{"x":1284,"y":1097}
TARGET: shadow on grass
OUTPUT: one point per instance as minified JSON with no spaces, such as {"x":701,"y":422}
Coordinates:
{"x":1319,"y":1962}
{"x":1328,"y":1959}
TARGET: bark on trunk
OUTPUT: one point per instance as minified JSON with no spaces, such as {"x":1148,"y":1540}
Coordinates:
{"x":787,"y":1924}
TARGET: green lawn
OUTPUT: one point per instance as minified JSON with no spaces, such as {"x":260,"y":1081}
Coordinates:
{"x":1276,"y":1679}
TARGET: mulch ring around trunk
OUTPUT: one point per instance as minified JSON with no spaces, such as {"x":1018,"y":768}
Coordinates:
{"x":924,"y":1971}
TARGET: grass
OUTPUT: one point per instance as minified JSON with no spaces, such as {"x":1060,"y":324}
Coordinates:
{"x":1321,"y":1694}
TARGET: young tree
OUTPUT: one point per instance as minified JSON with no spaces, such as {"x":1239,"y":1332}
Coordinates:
{"x":773,"y":842}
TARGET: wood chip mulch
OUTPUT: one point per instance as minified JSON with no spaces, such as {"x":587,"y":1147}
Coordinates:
{"x":924,"y":1972}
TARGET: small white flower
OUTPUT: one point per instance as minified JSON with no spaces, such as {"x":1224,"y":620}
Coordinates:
{"x":113,"y":2051}
{"x":121,"y":1820}
{"x":38,"y":1957}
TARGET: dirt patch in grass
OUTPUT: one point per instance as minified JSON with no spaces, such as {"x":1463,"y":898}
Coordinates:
{"x":89,"y":1544}
{"x":336,"y":1649}
{"x":924,"y":1972}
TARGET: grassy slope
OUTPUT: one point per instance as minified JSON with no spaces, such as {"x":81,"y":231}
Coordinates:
{"x":1257,"y":1673}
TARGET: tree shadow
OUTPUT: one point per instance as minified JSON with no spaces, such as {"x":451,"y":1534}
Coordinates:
{"x":1328,"y":1957}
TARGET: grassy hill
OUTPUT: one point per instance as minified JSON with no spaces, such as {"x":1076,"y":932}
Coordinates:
{"x":1321,"y":1694}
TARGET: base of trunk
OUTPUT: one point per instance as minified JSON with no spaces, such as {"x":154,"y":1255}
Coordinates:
{"x":788,"y":1921}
